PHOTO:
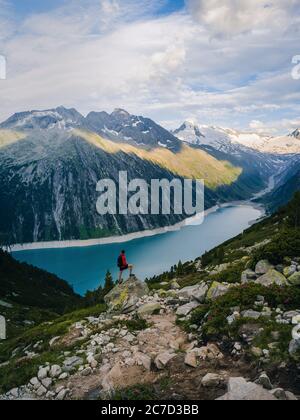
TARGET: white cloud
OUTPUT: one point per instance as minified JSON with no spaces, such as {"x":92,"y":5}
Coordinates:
{"x":232,"y":17}
{"x":114,"y":53}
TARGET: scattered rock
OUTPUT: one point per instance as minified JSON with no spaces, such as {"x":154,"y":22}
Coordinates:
{"x":72,"y":362}
{"x":55,"y":371}
{"x":212,"y":380}
{"x":191,"y":359}
{"x":163,"y":359}
{"x":62,"y":394}
{"x":43,"y":373}
{"x":251,"y":314}
{"x":149,"y":309}
{"x":41,"y":391}
{"x":265,"y":382}
{"x":186,"y":309}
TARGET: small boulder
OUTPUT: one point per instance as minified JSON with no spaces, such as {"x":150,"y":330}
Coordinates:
{"x":272,"y":277}
{"x":248,"y":276}
{"x":186,"y":309}
{"x":262,"y":267}
{"x":55,"y":371}
{"x":294,"y":280}
{"x":251,"y":314}
{"x":217,"y":289}
{"x":279,"y":393}
{"x":265,"y":382}
{"x":241,"y":390}
{"x":163,"y":359}
{"x":43,"y":373}
{"x":212,"y":380}
{"x":149,"y":309}
{"x":197,"y":292}
{"x":289,"y":271}
{"x":191,"y":359}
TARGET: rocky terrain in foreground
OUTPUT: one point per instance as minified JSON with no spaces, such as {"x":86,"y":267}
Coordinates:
{"x":146,"y":345}
{"x":226,"y":326}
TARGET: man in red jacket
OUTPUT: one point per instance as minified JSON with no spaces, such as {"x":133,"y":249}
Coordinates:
{"x":123,"y":265}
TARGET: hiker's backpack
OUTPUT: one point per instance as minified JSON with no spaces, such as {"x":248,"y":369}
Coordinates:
{"x":120,"y":261}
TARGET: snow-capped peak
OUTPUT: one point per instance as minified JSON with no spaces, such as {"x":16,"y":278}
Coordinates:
{"x":189,"y":132}
{"x":231,"y":141}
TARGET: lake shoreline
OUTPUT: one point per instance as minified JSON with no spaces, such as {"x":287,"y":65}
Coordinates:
{"x":195,"y":220}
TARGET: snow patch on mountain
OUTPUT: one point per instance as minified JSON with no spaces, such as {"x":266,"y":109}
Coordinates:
{"x":228,"y":140}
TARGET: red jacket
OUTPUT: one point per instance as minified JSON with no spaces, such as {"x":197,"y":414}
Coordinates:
{"x":124,"y":261}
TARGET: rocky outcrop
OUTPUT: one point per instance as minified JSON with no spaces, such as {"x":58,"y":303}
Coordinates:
{"x":124,"y":297}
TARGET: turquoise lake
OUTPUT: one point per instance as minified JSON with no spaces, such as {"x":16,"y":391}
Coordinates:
{"x":85,"y":267}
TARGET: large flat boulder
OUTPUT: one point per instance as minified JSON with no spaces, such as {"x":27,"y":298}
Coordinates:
{"x":124,"y":297}
{"x":272,"y":277}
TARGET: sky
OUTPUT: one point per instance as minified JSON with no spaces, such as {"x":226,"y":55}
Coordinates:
{"x":218,"y":62}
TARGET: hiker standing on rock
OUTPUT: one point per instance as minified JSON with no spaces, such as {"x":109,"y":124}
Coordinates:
{"x":123,"y":266}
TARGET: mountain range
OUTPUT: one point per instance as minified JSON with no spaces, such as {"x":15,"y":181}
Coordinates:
{"x":51,"y":161}
{"x":228,"y":140}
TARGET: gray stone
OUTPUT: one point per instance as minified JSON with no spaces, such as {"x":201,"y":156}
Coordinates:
{"x":272,"y":277}
{"x":191,"y":359}
{"x":212,"y":380}
{"x":251,"y":314}
{"x":124,"y":297}
{"x":262,"y":267}
{"x":163,"y":359}
{"x":279,"y":394}
{"x":289,"y":271}
{"x":62,"y":394}
{"x":72,"y":362}
{"x":241,"y":390}
{"x":290,"y":396}
{"x":186,"y":309}
{"x":47,"y":382}
{"x":217,"y":289}
{"x":294,"y":280}
{"x":43,"y":373}
{"x":149,"y":309}
{"x":265,"y":382}
{"x":55,"y":371}
{"x":41,"y":391}
{"x":296,"y":320}
{"x":197,"y":292}
{"x":248,"y":276}
{"x":86,"y":372}
{"x":294,"y":347}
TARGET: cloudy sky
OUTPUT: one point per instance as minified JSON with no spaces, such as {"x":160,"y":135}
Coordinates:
{"x":225,"y":63}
